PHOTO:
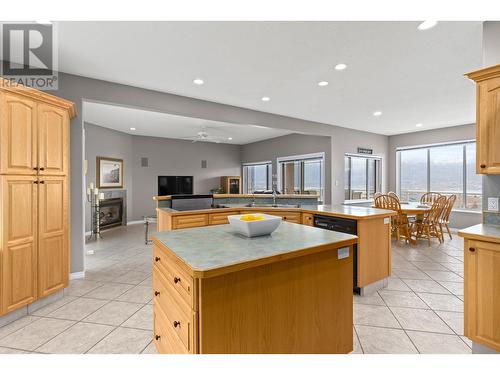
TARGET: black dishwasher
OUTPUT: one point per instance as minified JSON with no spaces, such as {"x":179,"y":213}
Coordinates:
{"x":340,"y":224}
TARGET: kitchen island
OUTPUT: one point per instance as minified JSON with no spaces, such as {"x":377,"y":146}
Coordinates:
{"x":219,"y":292}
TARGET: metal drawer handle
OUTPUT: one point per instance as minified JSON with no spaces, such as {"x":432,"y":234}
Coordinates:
{"x":177,"y":280}
{"x":157,"y":259}
{"x":157,"y":293}
{"x":472,"y":249}
{"x":157,"y":337}
{"x":176,"y":323}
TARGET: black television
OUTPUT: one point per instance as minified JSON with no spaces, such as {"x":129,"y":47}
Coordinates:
{"x":173,"y":185}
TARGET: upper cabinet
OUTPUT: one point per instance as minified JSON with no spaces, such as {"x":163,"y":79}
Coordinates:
{"x":487,"y":119}
{"x":53,"y":140}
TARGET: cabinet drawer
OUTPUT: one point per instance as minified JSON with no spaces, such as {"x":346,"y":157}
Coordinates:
{"x":292,"y":217}
{"x":220,"y":217}
{"x":177,"y":279}
{"x":189,"y":221}
{"x":308,"y":219}
{"x":179,"y":315}
{"x":165,"y":338}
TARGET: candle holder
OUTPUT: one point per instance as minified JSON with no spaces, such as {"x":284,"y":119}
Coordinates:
{"x":93,"y":199}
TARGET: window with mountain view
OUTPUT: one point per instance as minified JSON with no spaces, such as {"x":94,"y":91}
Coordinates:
{"x":447,"y":169}
{"x":257,"y":177}
{"x":362,"y":177}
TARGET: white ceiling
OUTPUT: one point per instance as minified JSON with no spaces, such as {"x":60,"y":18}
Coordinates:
{"x":156,"y":124}
{"x":411,"y":76}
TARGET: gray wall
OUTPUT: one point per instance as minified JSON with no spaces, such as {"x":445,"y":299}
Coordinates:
{"x":458,"y":219}
{"x":288,"y":145}
{"x":178,"y":157}
{"x":106,"y":142}
{"x":491,"y":56}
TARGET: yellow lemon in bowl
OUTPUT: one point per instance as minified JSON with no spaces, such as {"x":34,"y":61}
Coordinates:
{"x":250,"y":217}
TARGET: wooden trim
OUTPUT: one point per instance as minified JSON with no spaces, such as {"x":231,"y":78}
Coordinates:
{"x":98,"y":172}
{"x":484,"y":74}
{"x":29,"y":92}
{"x":252,"y":263}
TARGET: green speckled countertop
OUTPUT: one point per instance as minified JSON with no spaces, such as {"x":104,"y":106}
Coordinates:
{"x":212,"y":247}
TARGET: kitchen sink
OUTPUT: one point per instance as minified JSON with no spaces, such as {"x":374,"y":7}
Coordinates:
{"x":267,"y":205}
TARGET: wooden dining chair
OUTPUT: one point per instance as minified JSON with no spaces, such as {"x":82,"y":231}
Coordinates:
{"x":400,"y":226}
{"x":393,"y":194}
{"x":429,"y":198}
{"x":376,"y":195}
{"x":428,"y":226}
{"x":445,"y":216}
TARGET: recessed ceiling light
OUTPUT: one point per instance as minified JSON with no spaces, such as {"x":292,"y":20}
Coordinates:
{"x":198,"y":81}
{"x":419,"y":125}
{"x":265,"y":98}
{"x":132,"y":128}
{"x":340,"y":66}
{"x":229,"y":138}
{"x":426,"y":25}
{"x":377,"y":113}
{"x":323,"y":83}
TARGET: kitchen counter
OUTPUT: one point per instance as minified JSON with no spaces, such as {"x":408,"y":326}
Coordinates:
{"x":216,"y":292}
{"x":484,"y":232}
{"x":225,"y":249}
{"x":279,"y":196}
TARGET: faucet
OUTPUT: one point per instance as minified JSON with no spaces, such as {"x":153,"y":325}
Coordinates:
{"x":275,"y":190}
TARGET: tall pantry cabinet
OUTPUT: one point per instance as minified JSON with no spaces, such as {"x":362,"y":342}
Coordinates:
{"x":34,"y":191}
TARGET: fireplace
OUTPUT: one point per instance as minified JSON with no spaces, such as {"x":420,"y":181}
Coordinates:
{"x":110,"y":213}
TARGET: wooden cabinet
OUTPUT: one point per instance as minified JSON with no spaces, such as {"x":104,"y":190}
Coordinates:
{"x":34,"y":164}
{"x":19,"y":241}
{"x":231,"y":184}
{"x":189,"y":221}
{"x":482,"y":292}
{"x":487,"y":119}
{"x":291,"y":216}
{"x":220,"y":217}
{"x":308,"y":219}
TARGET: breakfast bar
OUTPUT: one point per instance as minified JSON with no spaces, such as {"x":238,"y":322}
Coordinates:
{"x":216,"y":291}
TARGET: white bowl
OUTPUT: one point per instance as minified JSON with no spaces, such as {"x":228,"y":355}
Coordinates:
{"x":254,"y":228}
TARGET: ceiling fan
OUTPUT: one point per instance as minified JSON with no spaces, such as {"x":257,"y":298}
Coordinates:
{"x":204,"y":136}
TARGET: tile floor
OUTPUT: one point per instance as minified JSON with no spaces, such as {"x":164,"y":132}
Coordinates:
{"x":110,"y":311}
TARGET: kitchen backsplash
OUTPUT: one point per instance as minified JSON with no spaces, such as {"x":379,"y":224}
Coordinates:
{"x":491,"y":189}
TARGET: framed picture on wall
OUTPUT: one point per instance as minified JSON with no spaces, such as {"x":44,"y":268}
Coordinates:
{"x":109,"y":173}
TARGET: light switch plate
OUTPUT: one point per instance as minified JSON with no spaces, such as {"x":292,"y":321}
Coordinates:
{"x":343,"y":252}
{"x":492,"y":204}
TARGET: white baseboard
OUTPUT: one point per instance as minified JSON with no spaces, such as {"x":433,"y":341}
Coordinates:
{"x":77,"y":275}
{"x":132,"y":222}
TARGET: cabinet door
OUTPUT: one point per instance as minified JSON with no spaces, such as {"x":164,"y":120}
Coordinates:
{"x":53,"y":140}
{"x":18,"y":136}
{"x":488,"y":129}
{"x":18,"y":247}
{"x":482,"y":291}
{"x":53,"y":260}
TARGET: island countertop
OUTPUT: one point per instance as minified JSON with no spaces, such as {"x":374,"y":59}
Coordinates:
{"x":215,"y":250}
{"x":484,"y":232}
{"x":350,"y":212}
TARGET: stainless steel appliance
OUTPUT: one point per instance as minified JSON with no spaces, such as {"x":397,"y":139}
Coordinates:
{"x":190,"y":202}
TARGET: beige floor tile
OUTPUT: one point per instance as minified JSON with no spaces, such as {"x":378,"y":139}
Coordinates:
{"x":78,"y":309}
{"x":437,"y":343}
{"x":402,"y":299}
{"x":454,"y":319}
{"x":395,"y":283}
{"x":138,"y":294}
{"x":78,"y":288}
{"x":378,"y":316}
{"x":442,"y":302}
{"x":46,"y":310}
{"x":12,"y":351}
{"x":454,"y":287}
{"x":356,"y":346}
{"x":420,"y":320}
{"x":142,"y":319}
{"x":147,"y":282}
{"x":375,"y":340}
{"x":150,"y":349}
{"x":123,"y":341}
{"x":372,"y":299}
{"x":132,"y":277}
{"x":444,"y":276}
{"x":467,"y":341}
{"x":109,"y":291}
{"x":77,"y":339}
{"x":429,"y":266}
{"x":455,"y":267}
{"x":16,"y":325}
{"x":411,"y":274}
{"x":113,"y":313}
{"x":428,"y":286}
{"x":35,"y":334}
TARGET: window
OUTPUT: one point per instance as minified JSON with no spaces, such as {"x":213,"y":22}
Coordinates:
{"x":444,"y":168}
{"x":302,"y":174}
{"x":362,"y":176}
{"x":257,"y":177}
